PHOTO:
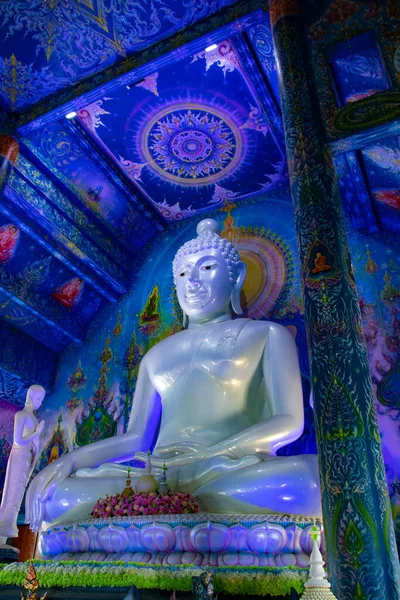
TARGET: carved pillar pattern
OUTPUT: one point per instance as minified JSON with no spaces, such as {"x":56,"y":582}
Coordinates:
{"x":8,"y":155}
{"x":362,"y":556}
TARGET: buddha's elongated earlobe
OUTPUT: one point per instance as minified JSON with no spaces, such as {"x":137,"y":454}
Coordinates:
{"x":185,"y":321}
{"x":240,"y":268}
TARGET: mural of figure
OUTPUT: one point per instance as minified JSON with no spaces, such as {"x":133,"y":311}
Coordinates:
{"x":320,"y":264}
{"x":219,"y":398}
{"x":9,"y":235}
{"x":69,"y":293}
{"x":24,"y":451}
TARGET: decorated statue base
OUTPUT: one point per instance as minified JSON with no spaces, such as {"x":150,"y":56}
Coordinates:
{"x":200,"y":539}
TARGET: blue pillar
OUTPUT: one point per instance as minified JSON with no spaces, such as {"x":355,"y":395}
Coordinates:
{"x":362,"y":556}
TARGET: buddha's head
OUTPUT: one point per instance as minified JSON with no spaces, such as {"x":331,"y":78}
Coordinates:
{"x":34,"y":397}
{"x":209,"y":275}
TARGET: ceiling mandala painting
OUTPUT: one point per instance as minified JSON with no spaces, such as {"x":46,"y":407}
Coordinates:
{"x":192,"y":136}
{"x":191,"y":144}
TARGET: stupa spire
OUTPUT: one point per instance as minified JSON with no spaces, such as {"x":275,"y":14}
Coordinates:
{"x":317,"y":586}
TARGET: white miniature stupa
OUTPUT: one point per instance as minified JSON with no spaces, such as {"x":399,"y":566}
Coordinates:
{"x":317,"y":586}
{"x":146,"y":484}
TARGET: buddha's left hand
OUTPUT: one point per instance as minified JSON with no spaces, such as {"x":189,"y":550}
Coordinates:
{"x":183,"y":453}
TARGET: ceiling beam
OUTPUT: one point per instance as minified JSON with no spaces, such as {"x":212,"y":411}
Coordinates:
{"x":59,"y":197}
{"x":365,"y":138}
{"x":33,"y":321}
{"x":128,"y":70}
{"x":46,"y":233}
{"x":117,"y":174}
{"x":34,"y":304}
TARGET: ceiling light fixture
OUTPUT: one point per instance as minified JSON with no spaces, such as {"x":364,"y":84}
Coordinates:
{"x":212,"y":47}
{"x":134,"y":84}
{"x":70,"y":115}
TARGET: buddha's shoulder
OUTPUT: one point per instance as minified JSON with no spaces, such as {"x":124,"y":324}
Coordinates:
{"x":264,"y":327}
{"x":163,"y":345}
{"x":265,"y":332}
{"x":24,"y":412}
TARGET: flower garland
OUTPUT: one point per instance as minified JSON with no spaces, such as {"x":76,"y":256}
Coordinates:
{"x":257,"y":581}
{"x":135,"y":505}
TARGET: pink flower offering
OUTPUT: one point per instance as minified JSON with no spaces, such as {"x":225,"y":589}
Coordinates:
{"x":145,"y":504}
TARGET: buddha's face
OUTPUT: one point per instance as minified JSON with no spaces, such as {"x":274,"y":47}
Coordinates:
{"x":203,"y":286}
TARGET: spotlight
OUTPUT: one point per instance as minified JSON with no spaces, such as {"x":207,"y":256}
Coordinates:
{"x":212,"y":47}
{"x":70,"y":115}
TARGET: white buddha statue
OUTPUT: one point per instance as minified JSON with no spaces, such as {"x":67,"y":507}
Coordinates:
{"x":223,"y":394}
{"x":21,"y":462}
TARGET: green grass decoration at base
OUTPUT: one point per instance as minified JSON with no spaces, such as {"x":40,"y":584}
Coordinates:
{"x":257,"y":581}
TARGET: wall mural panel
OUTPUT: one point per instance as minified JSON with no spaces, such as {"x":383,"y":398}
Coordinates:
{"x":382,"y":167}
{"x":47,"y":46}
{"x":13,"y":388}
{"x":24,"y":168}
{"x":193,"y":135}
{"x":92,"y":397}
{"x":356,"y":198}
{"x":358,"y":69}
{"x":370,"y":69}
{"x":376,"y":262}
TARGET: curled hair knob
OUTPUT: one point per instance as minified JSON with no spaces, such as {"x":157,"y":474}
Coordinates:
{"x":208,"y":225}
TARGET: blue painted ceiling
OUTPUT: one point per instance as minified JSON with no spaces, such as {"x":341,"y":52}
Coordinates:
{"x":187,"y":137}
{"x":48,"y":45}
{"x":196,"y":129}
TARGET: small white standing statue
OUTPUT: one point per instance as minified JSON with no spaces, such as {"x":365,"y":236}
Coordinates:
{"x":24,"y":451}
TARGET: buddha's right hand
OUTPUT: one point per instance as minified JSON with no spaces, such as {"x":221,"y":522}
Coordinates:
{"x":42,"y":488}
